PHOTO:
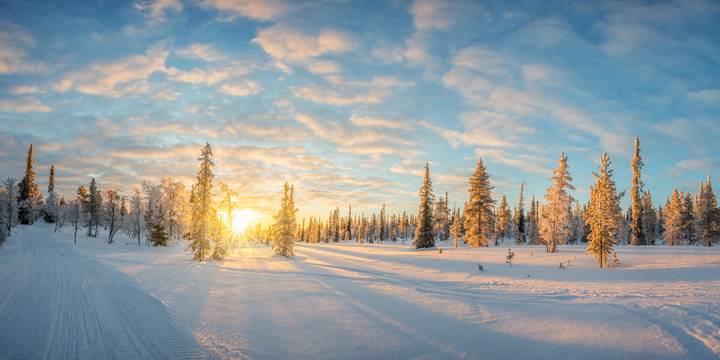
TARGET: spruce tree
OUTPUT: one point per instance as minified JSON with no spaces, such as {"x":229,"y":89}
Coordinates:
{"x":673,"y":219}
{"x":51,"y":204}
{"x":556,"y":219}
{"x":456,"y":231}
{"x":94,"y":204}
{"x":520,"y":218}
{"x":706,"y":218}
{"x":202,"y":206}
{"x":649,"y":218}
{"x":424,"y":228}
{"x":504,"y":218}
{"x":604,"y":213}
{"x":29,"y":196}
{"x":637,"y":233}
{"x":283,"y":231}
{"x":9,"y":203}
{"x":158,"y":235}
{"x":532,"y":228}
{"x":479,"y":217}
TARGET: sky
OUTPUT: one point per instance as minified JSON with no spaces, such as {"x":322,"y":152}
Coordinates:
{"x":348,"y":99}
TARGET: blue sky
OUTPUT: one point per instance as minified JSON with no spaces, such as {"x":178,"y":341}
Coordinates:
{"x":348,"y":99}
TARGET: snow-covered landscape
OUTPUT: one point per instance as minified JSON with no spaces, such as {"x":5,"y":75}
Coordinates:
{"x":350,"y":301}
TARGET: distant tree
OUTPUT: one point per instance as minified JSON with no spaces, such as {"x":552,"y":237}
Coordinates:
{"x":94,"y":208}
{"x":520,"y":218}
{"x":74,"y":214}
{"x":29,"y":197}
{"x":112,"y":213}
{"x":479,"y":217}
{"x":556,"y":218}
{"x":637,"y":232}
{"x":283,"y":229}
{"x":532,"y":228}
{"x":201,"y":200}
{"x":158,"y":235}
{"x":706,"y":210}
{"x":456,"y":231}
{"x":603,"y":213}
{"x":135,"y":218}
{"x":52,"y":203}
{"x":579,"y":233}
{"x":424,"y":229}
{"x":674,"y":219}
{"x":688,"y":219}
{"x":649,"y":219}
{"x":504,"y":220}
{"x":9,"y":203}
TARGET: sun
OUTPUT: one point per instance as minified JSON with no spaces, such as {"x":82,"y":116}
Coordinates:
{"x":242,"y":219}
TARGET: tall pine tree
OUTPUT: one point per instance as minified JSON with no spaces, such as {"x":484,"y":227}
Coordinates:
{"x":29,"y":196}
{"x":603,"y":213}
{"x":201,"y":199}
{"x":424,"y":228}
{"x":556,"y":219}
{"x":637,"y":232}
{"x":283,"y":231}
{"x":520,"y":218}
{"x":479,"y":217}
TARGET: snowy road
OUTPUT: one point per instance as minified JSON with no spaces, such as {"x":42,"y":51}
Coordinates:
{"x":58,"y":304}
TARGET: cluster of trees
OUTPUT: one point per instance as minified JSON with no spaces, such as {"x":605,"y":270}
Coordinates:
{"x":168,"y":212}
{"x":560,"y":219}
{"x":153,"y":214}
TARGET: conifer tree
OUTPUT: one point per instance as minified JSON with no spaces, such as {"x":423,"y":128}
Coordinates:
{"x":706,"y":218}
{"x":283,"y":230}
{"x":29,"y":197}
{"x":456,"y":231}
{"x":9,"y":203}
{"x":556,"y":220}
{"x":51,"y":204}
{"x":158,"y":235}
{"x":637,"y":233}
{"x":603,"y":213}
{"x":202,"y":206}
{"x":673,"y":219}
{"x":688,"y":217}
{"x":424,"y":228}
{"x":93,"y":210}
{"x":532,"y":228}
{"x":504,"y":219}
{"x":442,"y":219}
{"x":479,"y":217}
{"x":520,"y":218}
{"x":649,"y":218}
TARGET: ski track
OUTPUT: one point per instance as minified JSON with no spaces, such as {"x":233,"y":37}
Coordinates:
{"x":58,"y":304}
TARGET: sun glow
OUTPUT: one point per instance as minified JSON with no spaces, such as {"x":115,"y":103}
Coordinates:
{"x":242,"y":219}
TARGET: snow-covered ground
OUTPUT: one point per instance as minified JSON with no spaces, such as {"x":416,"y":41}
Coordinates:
{"x":349,"y":301}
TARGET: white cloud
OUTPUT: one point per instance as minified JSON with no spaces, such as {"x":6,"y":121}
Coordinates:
{"x":286,"y":43}
{"x":157,"y":8}
{"x":203,"y":52}
{"x":378,"y":122}
{"x":23,"y":106}
{"x":13,"y":55}
{"x":243,"y":88}
{"x":254,"y":9}
{"x":25,"y":89}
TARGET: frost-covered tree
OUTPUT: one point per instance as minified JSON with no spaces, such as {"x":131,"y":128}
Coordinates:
{"x":556,"y":219}
{"x":112,"y":213}
{"x":153,"y":208}
{"x":94,"y":208}
{"x":532,"y":227}
{"x":29,"y":195}
{"x":504,"y":221}
{"x":673,"y":219}
{"x":283,"y":230}
{"x":424,"y":228}
{"x":479,"y":217}
{"x":135,"y":218}
{"x":706,"y":214}
{"x":520,"y":218}
{"x":649,"y":219}
{"x":175,"y":202}
{"x":603,"y":213}
{"x":52,"y":202}
{"x":201,"y":200}
{"x":578,"y":224}
{"x":9,"y":203}
{"x":158,"y":235}
{"x":442,"y":219}
{"x":456,"y":231}
{"x":637,"y":232}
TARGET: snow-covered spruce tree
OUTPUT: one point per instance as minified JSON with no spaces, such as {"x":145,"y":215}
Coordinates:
{"x":52,"y":203}
{"x":637,"y":232}
{"x":112,"y":214}
{"x":556,"y":219}
{"x":673,"y":219}
{"x":706,"y":214}
{"x":442,"y":219}
{"x":383,"y":224}
{"x":479,"y":217}
{"x":688,"y":219}
{"x":520,"y":218}
{"x":9,"y":204}
{"x":283,"y":230}
{"x":649,"y":219}
{"x":94,"y":208}
{"x":456,"y":231}
{"x":349,"y":225}
{"x":158,"y":235}
{"x":29,"y":197}
{"x":201,"y":200}
{"x":531,"y":225}
{"x":603,"y":213}
{"x":424,"y":227}
{"x":504,"y":221}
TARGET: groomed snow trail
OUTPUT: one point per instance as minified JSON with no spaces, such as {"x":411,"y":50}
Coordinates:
{"x":58,"y":304}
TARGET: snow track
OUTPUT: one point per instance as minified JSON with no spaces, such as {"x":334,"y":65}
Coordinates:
{"x":58,"y":304}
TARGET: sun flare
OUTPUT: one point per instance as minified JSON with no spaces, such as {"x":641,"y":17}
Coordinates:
{"x":242,"y":219}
